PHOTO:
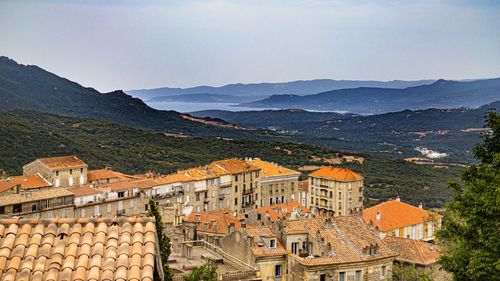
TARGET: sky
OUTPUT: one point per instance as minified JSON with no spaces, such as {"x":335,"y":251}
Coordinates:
{"x":126,"y":44}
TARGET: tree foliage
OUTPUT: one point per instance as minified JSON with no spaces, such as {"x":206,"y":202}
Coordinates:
{"x":163,"y":240}
{"x":206,"y":272}
{"x":471,"y":237}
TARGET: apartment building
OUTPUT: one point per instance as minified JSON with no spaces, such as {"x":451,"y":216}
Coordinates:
{"x":66,"y":171}
{"x":398,"y":219}
{"x":277,"y":184}
{"x":335,"y":192}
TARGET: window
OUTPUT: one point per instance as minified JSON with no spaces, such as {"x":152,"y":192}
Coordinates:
{"x":270,"y":201}
{"x":235,"y":188}
{"x":64,"y":213}
{"x":49,"y":214}
{"x":340,"y":205}
{"x":146,"y":206}
{"x":282,"y":187}
{"x":198,"y":196}
{"x":236,"y":202}
{"x":277,"y":270}
{"x":70,"y":171}
{"x":131,"y":203}
{"x":70,"y":181}
{"x":81,"y":180}
{"x":322,"y":277}
{"x":82,"y":213}
{"x":187,"y":187}
{"x":213,"y":206}
{"x":236,"y":178}
{"x":108,"y":207}
{"x":213,"y":193}
{"x":340,"y":195}
{"x":81,"y":170}
{"x":57,"y":182}
{"x":382,"y":271}
{"x":358,"y":272}
{"x":120,"y":206}
{"x":57,"y":173}
{"x":2,"y":210}
{"x":18,"y":208}
{"x":341,"y":276}
{"x":96,"y":210}
{"x":295,"y":247}
{"x":121,"y":194}
{"x":33,"y":208}
{"x":259,"y":217}
{"x":272,"y":243}
{"x":271,"y":188}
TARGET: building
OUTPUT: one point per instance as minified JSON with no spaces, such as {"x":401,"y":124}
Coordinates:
{"x":48,"y":203}
{"x":416,"y":257}
{"x":292,"y":210}
{"x":66,"y":171}
{"x":79,"y":249}
{"x":31,"y":183}
{"x":259,"y":247}
{"x":304,"y":193}
{"x":335,"y":191}
{"x":107,"y":176}
{"x":340,"y":248}
{"x":398,"y":219}
{"x":277,"y":184}
{"x":8,"y":187}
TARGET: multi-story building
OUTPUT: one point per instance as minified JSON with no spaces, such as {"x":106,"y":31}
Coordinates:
{"x":277,"y":184}
{"x":398,"y":219}
{"x":66,"y":171}
{"x":48,"y":203}
{"x":304,"y":193}
{"x":335,"y":191}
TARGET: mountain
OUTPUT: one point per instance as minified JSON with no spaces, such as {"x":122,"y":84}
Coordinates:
{"x":440,"y":94}
{"x":201,"y":98}
{"x":261,"y":90}
{"x":27,"y":135}
{"x":30,"y":87}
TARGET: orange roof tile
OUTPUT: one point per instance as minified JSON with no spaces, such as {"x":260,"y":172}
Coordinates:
{"x":28,"y":182}
{"x":336,"y":173}
{"x":395,"y":214}
{"x":235,"y":166}
{"x":214,"y":223}
{"x":282,"y":210}
{"x":142,"y":184}
{"x":271,"y":170}
{"x":179,"y":177}
{"x":6,"y":185}
{"x":414,"y":251}
{"x":260,"y":248}
{"x":64,"y":162}
{"x":229,"y":213}
{"x":84,"y":191}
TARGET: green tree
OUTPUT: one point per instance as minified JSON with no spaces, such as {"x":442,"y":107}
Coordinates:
{"x":163,"y":240}
{"x":471,"y":237}
{"x":206,"y":272}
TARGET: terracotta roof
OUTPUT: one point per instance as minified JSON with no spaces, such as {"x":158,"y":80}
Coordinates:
{"x":272,"y":170}
{"x":395,"y":214}
{"x":6,"y":185}
{"x":34,"y":196}
{"x":413,"y":251}
{"x":260,"y":248}
{"x":100,"y":174}
{"x":347,"y":237}
{"x":64,"y":162}
{"x":229,"y":213}
{"x":304,"y":185}
{"x":235,"y":166}
{"x":77,"y":249}
{"x":142,"y":184}
{"x":84,"y":191}
{"x":336,"y":173}
{"x":179,"y":177}
{"x":283,"y":210}
{"x":214,"y":223}
{"x":28,"y":182}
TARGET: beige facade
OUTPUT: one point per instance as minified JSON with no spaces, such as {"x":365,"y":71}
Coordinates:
{"x":335,"y":192}
{"x":72,"y":174}
{"x":127,"y":206}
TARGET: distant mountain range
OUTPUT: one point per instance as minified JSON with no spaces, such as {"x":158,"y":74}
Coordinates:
{"x":257,"y":91}
{"x":440,"y":94}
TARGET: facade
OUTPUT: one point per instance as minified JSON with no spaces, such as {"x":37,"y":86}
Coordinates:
{"x":277,"y":184}
{"x":398,"y":219}
{"x":49,"y":203}
{"x":341,"y":248}
{"x":80,"y":249}
{"x":304,"y":193}
{"x":335,"y":192}
{"x":66,"y":171}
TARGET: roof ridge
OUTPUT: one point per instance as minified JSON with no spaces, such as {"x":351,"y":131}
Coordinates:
{"x":78,"y":220}
{"x":418,"y":250}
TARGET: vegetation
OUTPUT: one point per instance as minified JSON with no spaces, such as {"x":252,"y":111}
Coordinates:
{"x":471,"y":237}
{"x":206,"y":272}
{"x":163,"y":240}
{"x":27,"y":135}
{"x":410,"y":272}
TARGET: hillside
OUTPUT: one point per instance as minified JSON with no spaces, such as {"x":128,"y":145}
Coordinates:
{"x":27,"y":135}
{"x":440,"y":94}
{"x":30,"y":87}
{"x":262,"y":90}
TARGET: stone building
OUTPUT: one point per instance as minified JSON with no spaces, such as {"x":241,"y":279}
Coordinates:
{"x":66,"y":171}
{"x":48,"y":203}
{"x":398,"y":219}
{"x":292,"y":210}
{"x":277,"y":184}
{"x":304,"y":193}
{"x":107,"y":176}
{"x":8,"y":187}
{"x":335,"y":192}
{"x":340,"y":249}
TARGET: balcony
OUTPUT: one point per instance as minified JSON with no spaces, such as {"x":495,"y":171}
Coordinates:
{"x":323,"y":186}
{"x":248,"y":190}
{"x":222,"y":196}
{"x":206,"y":200}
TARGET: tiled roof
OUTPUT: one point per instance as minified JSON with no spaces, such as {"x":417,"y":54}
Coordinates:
{"x":270,"y":169}
{"x":414,"y":251}
{"x":77,"y":249}
{"x":346,"y":236}
{"x":235,"y":166}
{"x":261,"y":249}
{"x":179,"y":177}
{"x":207,"y":220}
{"x":336,"y":173}
{"x":142,"y":184}
{"x":304,"y":185}
{"x":283,"y":210}
{"x":100,"y":174}
{"x":229,"y":213}
{"x":6,"y":185}
{"x":84,"y":191}
{"x":64,"y":162}
{"x":28,"y":182}
{"x":34,"y":196}
{"x":395,"y":214}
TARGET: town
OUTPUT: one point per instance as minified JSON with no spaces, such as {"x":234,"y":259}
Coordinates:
{"x":255,"y":219}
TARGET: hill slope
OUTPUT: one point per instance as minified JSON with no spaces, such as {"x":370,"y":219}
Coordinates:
{"x":440,"y":94}
{"x":27,"y":135}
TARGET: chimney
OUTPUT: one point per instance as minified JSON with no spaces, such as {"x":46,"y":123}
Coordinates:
{"x":398,"y":199}
{"x":420,"y":205}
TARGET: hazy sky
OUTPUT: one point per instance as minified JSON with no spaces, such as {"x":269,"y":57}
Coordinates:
{"x":180,"y":43}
